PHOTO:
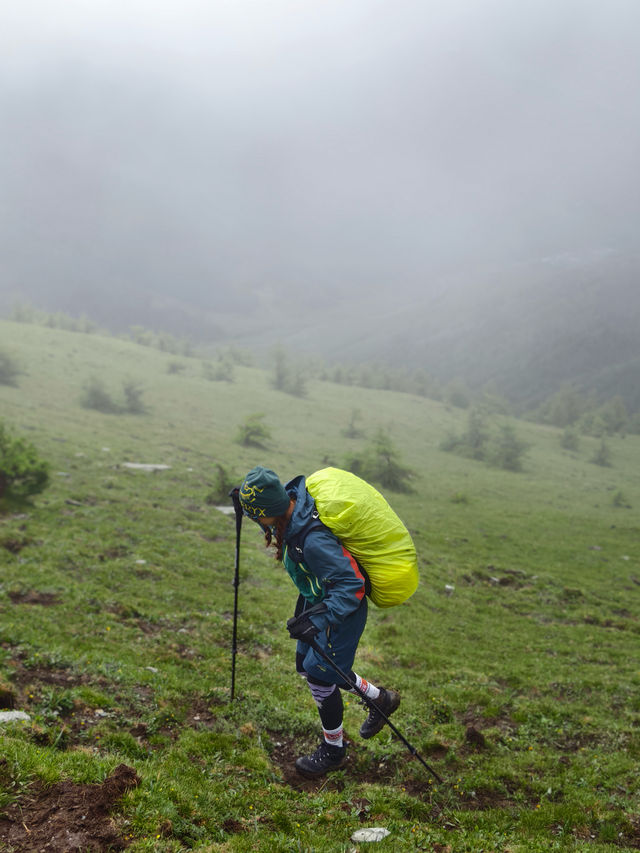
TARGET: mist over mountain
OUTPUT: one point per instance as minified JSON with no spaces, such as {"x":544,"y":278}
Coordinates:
{"x":452,"y":187}
{"x":527,"y":328}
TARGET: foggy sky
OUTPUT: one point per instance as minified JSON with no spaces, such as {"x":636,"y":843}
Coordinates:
{"x":230,"y":151}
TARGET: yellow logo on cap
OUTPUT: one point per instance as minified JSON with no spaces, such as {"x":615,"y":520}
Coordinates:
{"x":248,"y":495}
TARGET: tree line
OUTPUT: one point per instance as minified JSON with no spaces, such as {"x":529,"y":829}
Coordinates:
{"x":586,"y":412}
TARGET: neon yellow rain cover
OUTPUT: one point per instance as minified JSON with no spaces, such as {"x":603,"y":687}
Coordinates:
{"x":367,"y":527}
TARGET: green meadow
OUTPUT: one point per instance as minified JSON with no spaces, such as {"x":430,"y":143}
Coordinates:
{"x":517,"y":658}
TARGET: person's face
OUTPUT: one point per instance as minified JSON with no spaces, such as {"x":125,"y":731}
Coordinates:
{"x":270,"y":520}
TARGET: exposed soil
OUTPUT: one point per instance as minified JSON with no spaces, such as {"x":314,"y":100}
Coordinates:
{"x":485,"y":799}
{"x":115,"y":553}
{"x":32,"y":596}
{"x":70,"y":817}
{"x":629,"y":840}
{"x":67,"y":817}
{"x":72,"y":724}
{"x":33,"y":675}
{"x":632,"y":838}
{"x":475,"y":737}
{"x":78,"y":724}
{"x":14,"y":544}
{"x":7,"y":697}
{"x":497,"y":577}
{"x":473,"y":718}
{"x":395,"y":770}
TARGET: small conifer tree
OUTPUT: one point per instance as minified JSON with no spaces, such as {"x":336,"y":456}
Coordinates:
{"x":9,"y":370}
{"x":569,"y":439}
{"x":222,"y":484}
{"x":380,"y":463}
{"x":602,"y":456}
{"x":133,"y":404}
{"x":509,"y":450}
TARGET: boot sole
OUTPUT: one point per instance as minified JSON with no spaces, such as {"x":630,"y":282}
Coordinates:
{"x":382,"y":723}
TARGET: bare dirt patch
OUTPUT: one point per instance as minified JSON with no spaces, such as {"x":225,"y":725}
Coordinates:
{"x":67,"y":817}
{"x":28,"y":676}
{"x":33,"y":596}
{"x":14,"y":544}
{"x":397,"y":771}
{"x":487,"y":799}
{"x":475,"y":719}
{"x":114,"y":553}
{"x":360,"y":765}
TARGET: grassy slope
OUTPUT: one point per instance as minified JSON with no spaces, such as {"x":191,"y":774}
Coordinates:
{"x":536,"y":646}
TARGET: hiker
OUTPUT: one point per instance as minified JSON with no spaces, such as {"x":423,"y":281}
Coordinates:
{"x":331,"y":608}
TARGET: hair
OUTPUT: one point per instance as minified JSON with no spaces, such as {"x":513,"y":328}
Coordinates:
{"x":280,"y":527}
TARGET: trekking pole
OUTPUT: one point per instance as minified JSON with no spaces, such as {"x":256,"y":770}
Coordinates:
{"x":234,"y":495}
{"x":314,"y":645}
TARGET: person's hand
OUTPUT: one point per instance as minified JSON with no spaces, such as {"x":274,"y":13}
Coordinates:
{"x":302,"y":628}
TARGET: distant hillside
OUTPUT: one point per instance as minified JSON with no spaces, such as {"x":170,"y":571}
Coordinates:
{"x":526,"y":328}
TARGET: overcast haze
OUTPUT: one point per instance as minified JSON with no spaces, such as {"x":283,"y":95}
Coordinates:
{"x":227,"y":153}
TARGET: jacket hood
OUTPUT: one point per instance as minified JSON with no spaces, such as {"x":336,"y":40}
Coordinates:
{"x":304,"y":508}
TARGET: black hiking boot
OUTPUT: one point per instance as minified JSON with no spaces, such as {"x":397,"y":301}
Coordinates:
{"x":326,"y":758}
{"x":387,"y":701}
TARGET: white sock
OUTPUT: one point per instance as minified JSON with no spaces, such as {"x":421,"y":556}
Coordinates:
{"x":366,"y":687}
{"x":333,"y":736}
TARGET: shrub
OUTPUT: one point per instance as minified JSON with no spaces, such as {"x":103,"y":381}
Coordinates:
{"x":297,"y":385}
{"x":240,"y":356}
{"x":476,"y":435}
{"x":458,"y":394}
{"x":380,"y":463}
{"x":450,"y":442}
{"x":563,"y":408}
{"x":614,"y":415}
{"x":133,"y":404}
{"x":602,"y":456}
{"x":141,"y":336}
{"x":352,"y":430}
{"x":222,"y":484}
{"x":222,"y":371}
{"x":569,"y":439}
{"x":473,"y":441}
{"x":508,"y":450}
{"x":291,"y":380}
{"x":9,"y":370}
{"x":634,"y":424}
{"x":22,"y":472}
{"x":493,"y":402}
{"x":95,"y":396}
{"x":620,"y":500}
{"x":253,"y":432}
{"x":23,"y":312}
{"x":280,"y":368}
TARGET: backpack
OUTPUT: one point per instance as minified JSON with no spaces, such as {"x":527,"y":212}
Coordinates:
{"x":359,"y":516}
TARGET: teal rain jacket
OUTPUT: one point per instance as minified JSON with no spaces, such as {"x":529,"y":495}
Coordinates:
{"x":327,"y":571}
